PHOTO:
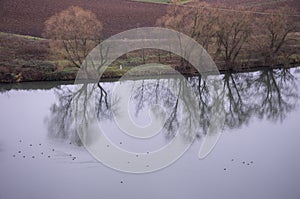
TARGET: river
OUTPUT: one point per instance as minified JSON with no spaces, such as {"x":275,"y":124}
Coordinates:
{"x":256,"y":156}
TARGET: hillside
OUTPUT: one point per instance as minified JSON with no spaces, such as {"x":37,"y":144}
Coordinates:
{"x":27,"y":17}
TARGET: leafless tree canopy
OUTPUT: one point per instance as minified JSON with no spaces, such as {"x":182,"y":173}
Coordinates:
{"x":272,"y":34}
{"x":73,"y":32}
{"x":231,"y":34}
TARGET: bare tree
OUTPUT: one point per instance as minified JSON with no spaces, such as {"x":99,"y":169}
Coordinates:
{"x":203,"y":22}
{"x":198,"y":20}
{"x":223,"y":31}
{"x":233,"y":32}
{"x":272,"y":32}
{"x":73,"y":31}
{"x":174,"y":18}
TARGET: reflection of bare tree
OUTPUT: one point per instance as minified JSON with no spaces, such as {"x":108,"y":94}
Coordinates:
{"x":276,"y":92}
{"x":174,"y":96}
{"x":172,"y":122}
{"x":269,"y":94}
{"x":239,"y":106}
{"x":140,"y":99}
{"x":73,"y":100}
{"x":150,"y":92}
{"x":202,"y":92}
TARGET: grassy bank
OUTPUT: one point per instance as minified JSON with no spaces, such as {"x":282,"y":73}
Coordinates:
{"x":26,"y":58}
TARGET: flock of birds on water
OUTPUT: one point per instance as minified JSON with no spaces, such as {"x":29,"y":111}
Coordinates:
{"x":50,"y":154}
{"x":243,"y":162}
{"x":54,"y":153}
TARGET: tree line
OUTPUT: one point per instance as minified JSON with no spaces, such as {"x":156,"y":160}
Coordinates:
{"x":233,"y":35}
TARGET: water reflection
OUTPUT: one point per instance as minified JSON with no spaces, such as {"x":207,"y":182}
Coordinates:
{"x":60,"y":123}
{"x":177,"y":103}
{"x":277,"y":94}
{"x":269,"y":94}
{"x":151,"y":93}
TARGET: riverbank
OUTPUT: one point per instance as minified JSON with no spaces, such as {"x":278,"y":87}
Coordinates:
{"x":26,"y":58}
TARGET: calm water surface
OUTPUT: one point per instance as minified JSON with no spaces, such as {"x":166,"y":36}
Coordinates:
{"x":257,"y":155}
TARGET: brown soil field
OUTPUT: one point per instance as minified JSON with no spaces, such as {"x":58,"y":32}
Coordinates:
{"x":27,"y":17}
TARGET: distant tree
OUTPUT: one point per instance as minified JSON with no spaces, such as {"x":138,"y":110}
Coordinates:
{"x":272,"y":32}
{"x":73,"y":31}
{"x":173,"y":18}
{"x":234,"y":29}
{"x":222,"y":30}
{"x":197,"y":20}
{"x":234,"y":34}
{"x":203,"y":22}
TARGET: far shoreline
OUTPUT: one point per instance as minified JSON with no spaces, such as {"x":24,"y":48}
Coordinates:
{"x":70,"y":79}
{"x":26,"y":58}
